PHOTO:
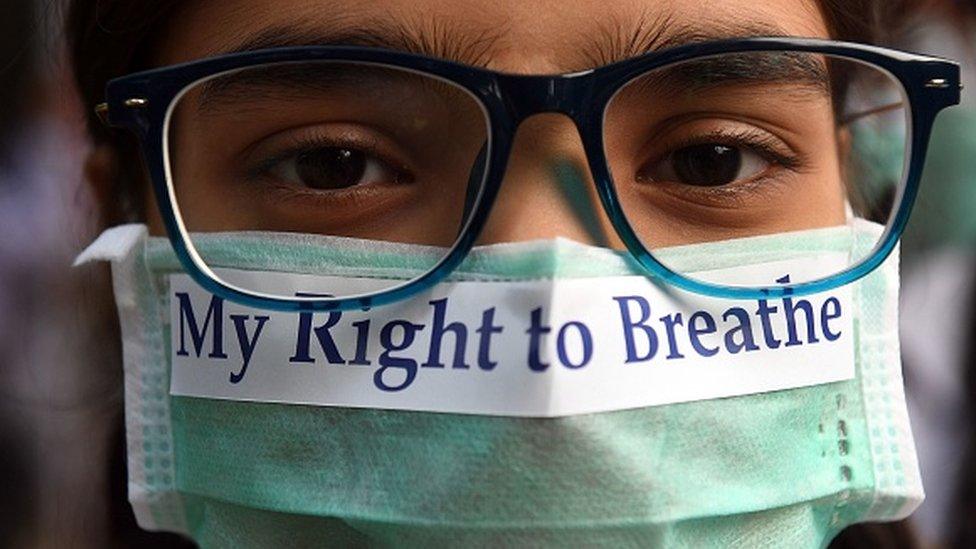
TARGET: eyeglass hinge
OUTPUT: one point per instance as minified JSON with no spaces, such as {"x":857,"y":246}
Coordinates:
{"x":939,"y":83}
{"x":101,"y":111}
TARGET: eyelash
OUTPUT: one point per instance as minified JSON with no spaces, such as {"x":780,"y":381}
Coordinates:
{"x":764,"y":145}
{"x":311,"y":143}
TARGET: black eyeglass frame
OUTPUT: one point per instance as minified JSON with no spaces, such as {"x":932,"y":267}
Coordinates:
{"x":143,"y":102}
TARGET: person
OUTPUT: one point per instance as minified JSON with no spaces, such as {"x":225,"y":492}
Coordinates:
{"x":377,"y":145}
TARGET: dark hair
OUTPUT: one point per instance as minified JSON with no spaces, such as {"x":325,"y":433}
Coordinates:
{"x":18,"y":47}
{"x":105,"y":39}
{"x":109,"y":38}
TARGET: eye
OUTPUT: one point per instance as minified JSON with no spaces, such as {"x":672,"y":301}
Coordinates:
{"x":332,"y":168}
{"x":706,"y":165}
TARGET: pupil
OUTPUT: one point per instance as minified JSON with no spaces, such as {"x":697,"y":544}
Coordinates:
{"x":330,"y":168}
{"x":707,"y":165}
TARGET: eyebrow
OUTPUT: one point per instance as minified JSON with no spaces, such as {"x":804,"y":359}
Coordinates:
{"x":294,"y":81}
{"x":615,"y":40}
{"x":797,"y":71}
{"x":432,"y":38}
{"x":618,"y":39}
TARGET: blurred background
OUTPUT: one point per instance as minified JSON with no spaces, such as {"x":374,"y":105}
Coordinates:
{"x":62,"y":478}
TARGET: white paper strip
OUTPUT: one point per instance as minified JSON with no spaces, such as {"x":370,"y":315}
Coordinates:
{"x":539,"y":348}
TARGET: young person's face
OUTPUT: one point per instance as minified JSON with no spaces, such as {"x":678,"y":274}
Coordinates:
{"x":399,"y":155}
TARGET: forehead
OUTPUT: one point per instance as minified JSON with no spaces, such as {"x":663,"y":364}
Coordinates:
{"x":538,"y":36}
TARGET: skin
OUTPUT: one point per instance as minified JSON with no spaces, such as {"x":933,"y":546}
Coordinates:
{"x":514,"y":36}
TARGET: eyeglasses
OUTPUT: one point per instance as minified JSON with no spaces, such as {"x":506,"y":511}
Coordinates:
{"x":709,"y":142}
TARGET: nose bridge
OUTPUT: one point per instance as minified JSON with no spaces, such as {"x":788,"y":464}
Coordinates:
{"x":527,"y":95}
{"x":547,"y":190}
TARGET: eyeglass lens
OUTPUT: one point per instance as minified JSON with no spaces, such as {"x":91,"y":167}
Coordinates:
{"x":344,"y":151}
{"x":729,"y":147}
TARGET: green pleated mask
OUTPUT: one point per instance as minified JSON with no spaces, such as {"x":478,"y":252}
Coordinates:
{"x":786,"y":468}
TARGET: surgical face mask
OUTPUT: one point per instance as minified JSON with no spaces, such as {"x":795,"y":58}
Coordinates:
{"x":587,"y":406}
